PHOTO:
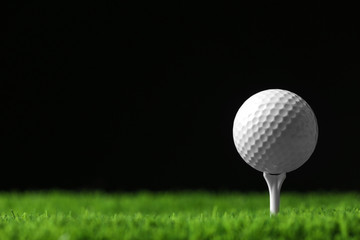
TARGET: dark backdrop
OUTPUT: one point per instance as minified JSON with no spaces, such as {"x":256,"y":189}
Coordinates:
{"x":143,"y":96}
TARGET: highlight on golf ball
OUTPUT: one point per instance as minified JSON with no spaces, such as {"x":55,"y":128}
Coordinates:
{"x":275,"y":131}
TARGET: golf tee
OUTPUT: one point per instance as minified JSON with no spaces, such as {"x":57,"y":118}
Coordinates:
{"x":274,"y":182}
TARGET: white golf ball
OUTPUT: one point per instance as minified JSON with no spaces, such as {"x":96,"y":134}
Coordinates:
{"x":275,"y":131}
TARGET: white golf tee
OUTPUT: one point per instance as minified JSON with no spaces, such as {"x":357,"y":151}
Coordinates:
{"x":274,"y":182}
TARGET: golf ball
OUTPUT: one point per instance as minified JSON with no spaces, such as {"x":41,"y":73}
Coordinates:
{"x":275,"y":131}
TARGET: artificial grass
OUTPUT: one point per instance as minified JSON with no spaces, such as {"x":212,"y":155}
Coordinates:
{"x":182,"y":215}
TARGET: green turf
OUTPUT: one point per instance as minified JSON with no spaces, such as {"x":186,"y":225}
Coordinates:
{"x":184,"y":215}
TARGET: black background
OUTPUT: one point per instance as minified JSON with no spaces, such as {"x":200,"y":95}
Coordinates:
{"x":117,"y":96}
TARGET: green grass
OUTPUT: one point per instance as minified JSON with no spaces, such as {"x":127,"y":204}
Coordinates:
{"x":183,"y":215}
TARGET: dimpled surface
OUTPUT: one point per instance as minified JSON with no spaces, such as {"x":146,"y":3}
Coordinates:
{"x":275,"y":131}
